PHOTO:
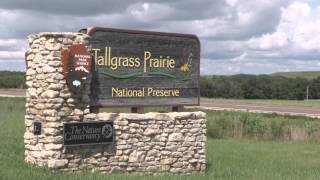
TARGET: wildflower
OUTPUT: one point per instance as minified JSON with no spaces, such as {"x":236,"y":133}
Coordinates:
{"x":184,"y":68}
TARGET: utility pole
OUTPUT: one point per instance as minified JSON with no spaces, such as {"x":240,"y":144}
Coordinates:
{"x":307,"y":92}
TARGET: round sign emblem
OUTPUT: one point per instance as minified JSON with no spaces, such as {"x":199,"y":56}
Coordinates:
{"x":107,"y":131}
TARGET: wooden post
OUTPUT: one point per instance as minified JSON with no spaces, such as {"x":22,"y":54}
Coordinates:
{"x":94,"y":109}
{"x":137,"y":110}
{"x":177,"y":108}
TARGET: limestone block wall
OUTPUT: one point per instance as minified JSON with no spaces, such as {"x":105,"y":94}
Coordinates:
{"x":147,"y":143}
{"x":144,"y":143}
{"x":48,"y":99}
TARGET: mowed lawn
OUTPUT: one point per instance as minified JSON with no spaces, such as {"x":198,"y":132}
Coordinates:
{"x":226,"y":158}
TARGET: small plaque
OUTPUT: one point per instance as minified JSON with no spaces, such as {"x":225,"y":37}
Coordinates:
{"x":86,"y":133}
{"x":37,"y":128}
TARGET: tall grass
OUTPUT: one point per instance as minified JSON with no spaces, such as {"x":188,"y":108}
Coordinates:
{"x":238,"y":125}
{"x":225,"y":124}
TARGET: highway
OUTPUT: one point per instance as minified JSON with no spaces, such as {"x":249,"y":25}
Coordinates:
{"x":289,"y":110}
{"x":12,"y":93}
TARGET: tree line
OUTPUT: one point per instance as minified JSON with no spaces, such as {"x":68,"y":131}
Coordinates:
{"x":259,"y":87}
{"x":237,"y":86}
{"x":10,"y":79}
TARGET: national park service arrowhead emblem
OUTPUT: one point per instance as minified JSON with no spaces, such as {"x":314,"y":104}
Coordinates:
{"x":77,"y":63}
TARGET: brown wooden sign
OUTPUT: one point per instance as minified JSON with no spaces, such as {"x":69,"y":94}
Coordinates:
{"x":77,"y":65}
{"x":140,"y":68}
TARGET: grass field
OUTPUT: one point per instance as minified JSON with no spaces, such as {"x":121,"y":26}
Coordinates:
{"x":244,"y":125}
{"x":226,"y":158}
{"x":293,"y":103}
{"x":302,"y":74}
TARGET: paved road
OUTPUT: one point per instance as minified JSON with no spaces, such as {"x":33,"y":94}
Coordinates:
{"x":12,"y":93}
{"x":304,"y":111}
{"x":211,"y":104}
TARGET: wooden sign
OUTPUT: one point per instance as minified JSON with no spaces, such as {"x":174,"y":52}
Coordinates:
{"x":77,"y":65}
{"x":88,"y":133}
{"x":139,"y":68}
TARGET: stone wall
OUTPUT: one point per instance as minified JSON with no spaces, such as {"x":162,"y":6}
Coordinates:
{"x":148,"y":143}
{"x":48,"y":99}
{"x":151,"y":142}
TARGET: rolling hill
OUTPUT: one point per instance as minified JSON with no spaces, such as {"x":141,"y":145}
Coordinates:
{"x":302,"y":74}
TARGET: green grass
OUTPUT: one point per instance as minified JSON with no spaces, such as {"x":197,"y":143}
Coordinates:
{"x":226,"y":158}
{"x":245,"y":125}
{"x":247,"y":159}
{"x":299,"y":74}
{"x":293,"y":103}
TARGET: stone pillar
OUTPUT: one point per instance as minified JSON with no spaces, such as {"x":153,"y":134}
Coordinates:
{"x":49,"y":101}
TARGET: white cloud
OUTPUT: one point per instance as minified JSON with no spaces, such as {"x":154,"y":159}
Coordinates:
{"x":302,"y":24}
{"x":231,"y":2}
{"x":12,"y":65}
{"x":274,"y":41}
{"x":296,"y":36}
{"x":250,"y":36}
{"x":149,"y":11}
{"x":12,"y":54}
{"x":296,"y":11}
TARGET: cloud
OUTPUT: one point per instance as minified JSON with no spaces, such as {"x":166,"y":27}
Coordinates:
{"x":227,"y":49}
{"x":250,"y":36}
{"x":12,"y":65}
{"x":236,"y":21}
{"x":70,"y":7}
{"x":146,"y":12}
{"x":297,"y":31}
{"x":12,"y":44}
{"x":296,"y":39}
{"x":277,"y":40}
{"x":12,"y":54}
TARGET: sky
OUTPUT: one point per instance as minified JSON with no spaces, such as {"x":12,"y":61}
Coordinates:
{"x":237,"y":36}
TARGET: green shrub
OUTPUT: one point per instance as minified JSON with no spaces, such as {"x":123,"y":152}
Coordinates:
{"x":12,"y":79}
{"x":225,"y":124}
